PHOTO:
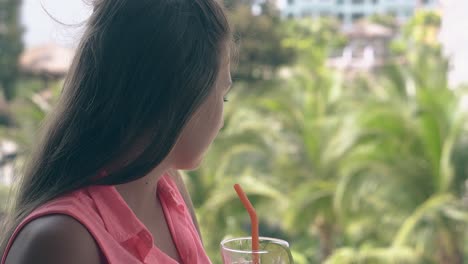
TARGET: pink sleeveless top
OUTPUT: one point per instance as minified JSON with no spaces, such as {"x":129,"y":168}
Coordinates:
{"x":120,"y":235}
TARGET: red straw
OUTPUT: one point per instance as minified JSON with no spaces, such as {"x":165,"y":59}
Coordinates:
{"x":253,"y":219}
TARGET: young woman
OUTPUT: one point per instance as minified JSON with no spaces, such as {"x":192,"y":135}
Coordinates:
{"x":143,"y":98}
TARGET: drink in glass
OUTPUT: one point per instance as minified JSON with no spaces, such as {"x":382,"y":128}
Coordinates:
{"x":271,"y":251}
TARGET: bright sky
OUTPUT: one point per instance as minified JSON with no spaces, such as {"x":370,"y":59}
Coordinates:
{"x":40,"y":28}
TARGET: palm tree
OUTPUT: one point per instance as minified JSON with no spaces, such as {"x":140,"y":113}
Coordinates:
{"x":291,"y":135}
{"x":410,"y":142}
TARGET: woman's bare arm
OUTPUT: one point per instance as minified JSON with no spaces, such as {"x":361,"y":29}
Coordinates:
{"x":54,"y":239}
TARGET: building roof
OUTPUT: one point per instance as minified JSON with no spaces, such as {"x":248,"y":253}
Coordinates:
{"x":369,"y":30}
{"x":47,"y":59}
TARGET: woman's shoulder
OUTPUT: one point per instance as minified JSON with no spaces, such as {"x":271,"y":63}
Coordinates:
{"x":55,"y":238}
{"x":61,"y":228}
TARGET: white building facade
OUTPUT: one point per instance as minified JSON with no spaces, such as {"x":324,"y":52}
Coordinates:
{"x":454,"y":38}
{"x":349,"y":11}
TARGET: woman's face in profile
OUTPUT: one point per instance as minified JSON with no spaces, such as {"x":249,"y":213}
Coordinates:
{"x":205,"y":123}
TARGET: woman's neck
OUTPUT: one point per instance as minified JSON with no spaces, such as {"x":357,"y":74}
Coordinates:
{"x":141,"y":194}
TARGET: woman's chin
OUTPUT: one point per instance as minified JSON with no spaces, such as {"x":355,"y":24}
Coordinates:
{"x":190,"y":165}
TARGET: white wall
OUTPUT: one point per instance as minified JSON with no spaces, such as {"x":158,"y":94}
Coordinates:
{"x":454,"y":37}
{"x":403,"y":9}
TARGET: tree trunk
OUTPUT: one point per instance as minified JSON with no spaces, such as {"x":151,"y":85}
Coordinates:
{"x":448,"y":251}
{"x":325,"y":230}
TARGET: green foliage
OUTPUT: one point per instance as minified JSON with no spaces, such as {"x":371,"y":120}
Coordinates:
{"x":313,"y":40}
{"x":374,"y":255}
{"x":367,"y":172}
{"x":10,"y":45}
{"x":259,"y":37}
{"x":30,"y":108}
{"x":388,"y":21}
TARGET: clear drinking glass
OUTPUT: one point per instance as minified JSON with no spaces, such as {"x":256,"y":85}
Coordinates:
{"x":271,"y":251}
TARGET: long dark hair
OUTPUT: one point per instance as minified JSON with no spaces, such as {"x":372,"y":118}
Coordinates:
{"x":141,"y":70}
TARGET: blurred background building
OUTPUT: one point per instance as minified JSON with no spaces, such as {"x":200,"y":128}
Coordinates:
{"x":349,"y":11}
{"x":367,"y":48}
